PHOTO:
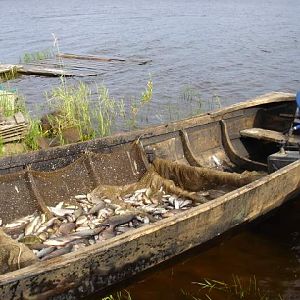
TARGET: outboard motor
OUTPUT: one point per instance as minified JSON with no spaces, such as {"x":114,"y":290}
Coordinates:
{"x":296,"y":123}
{"x":285,"y":156}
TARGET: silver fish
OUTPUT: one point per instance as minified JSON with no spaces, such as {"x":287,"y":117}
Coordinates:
{"x":58,"y":252}
{"x":81,"y":220}
{"x":120,"y":219}
{"x":66,"y":228}
{"x":61,"y":212}
{"x":87,"y":232}
{"x":80,"y":197}
{"x":78,"y":212}
{"x":97,"y":207}
{"x":61,"y":241}
{"x":30,"y":227}
{"x":45,"y":251}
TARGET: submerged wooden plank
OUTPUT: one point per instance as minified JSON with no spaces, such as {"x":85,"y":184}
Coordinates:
{"x":102,"y":59}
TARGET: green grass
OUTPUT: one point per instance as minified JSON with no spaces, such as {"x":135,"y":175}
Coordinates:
{"x":29,"y":57}
{"x":12,"y":74}
{"x":34,"y":133}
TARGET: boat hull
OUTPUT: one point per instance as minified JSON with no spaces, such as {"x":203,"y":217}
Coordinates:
{"x":97,"y":267}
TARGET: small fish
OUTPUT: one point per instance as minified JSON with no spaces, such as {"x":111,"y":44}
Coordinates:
{"x":120,"y":219}
{"x":78,"y":212}
{"x":141,"y":191}
{"x":45,"y":251}
{"x":61,"y":212}
{"x":107,"y":233}
{"x":70,"y":218}
{"x":82,"y":227}
{"x":61,"y":241}
{"x":48,"y":224}
{"x":30,"y":227}
{"x":81,"y":220}
{"x":41,"y":220}
{"x":186,"y":203}
{"x":87,"y":232}
{"x":66,"y":228}
{"x":176,"y":203}
{"x":58,"y":252}
{"x":60,"y":204}
{"x":43,"y":236}
{"x":80,"y":197}
{"x":97,"y":207}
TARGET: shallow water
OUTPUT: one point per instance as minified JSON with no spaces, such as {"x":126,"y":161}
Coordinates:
{"x":230,"y":48}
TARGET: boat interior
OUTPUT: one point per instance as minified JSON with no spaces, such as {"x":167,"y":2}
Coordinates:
{"x":229,"y":141}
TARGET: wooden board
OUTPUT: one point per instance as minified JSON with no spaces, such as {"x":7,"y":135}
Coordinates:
{"x":269,"y":135}
{"x":13,"y":128}
{"x":46,"y":70}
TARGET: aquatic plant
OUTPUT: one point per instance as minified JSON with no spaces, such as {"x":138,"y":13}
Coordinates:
{"x":139,"y":105}
{"x":93,"y":115}
{"x":9,"y":75}
{"x":122,"y":295}
{"x":34,"y":133}
{"x":29,"y":57}
{"x":236,"y":289}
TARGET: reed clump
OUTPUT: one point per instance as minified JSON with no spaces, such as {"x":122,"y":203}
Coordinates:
{"x":9,"y":75}
{"x":29,"y":57}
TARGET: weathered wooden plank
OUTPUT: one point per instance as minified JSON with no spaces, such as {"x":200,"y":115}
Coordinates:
{"x":8,"y":128}
{"x":269,"y":135}
{"x":44,"y":70}
{"x":234,"y":156}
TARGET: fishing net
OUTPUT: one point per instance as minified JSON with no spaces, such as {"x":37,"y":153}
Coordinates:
{"x":178,"y":179}
{"x":14,"y":255}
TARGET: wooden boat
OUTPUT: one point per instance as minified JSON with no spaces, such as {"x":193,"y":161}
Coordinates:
{"x":31,"y":181}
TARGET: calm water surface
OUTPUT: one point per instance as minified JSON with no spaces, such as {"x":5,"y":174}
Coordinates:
{"x":230,"y":48}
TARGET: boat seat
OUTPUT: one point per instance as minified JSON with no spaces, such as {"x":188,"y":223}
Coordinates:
{"x":269,"y":135}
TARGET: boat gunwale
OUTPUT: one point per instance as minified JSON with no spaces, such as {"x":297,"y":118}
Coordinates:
{"x":67,"y":259}
{"x":44,"y":155}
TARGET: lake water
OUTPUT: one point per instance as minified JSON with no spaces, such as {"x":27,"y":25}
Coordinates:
{"x":230,"y":48}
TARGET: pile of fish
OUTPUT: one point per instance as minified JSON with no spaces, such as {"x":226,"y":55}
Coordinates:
{"x":157,"y":204}
{"x":91,"y":220}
